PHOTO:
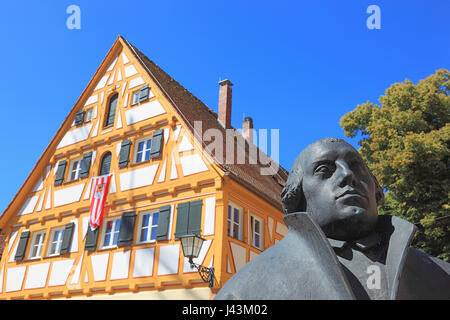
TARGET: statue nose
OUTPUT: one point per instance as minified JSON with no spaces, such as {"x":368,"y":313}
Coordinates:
{"x":346,"y":175}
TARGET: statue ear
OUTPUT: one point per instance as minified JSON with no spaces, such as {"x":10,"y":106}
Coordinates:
{"x":379,"y":194}
{"x":292,"y":197}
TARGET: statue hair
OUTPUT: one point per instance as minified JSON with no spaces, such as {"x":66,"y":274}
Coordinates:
{"x":292,"y":196}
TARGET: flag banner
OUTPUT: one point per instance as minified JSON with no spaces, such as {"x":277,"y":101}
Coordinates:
{"x":98,"y":198}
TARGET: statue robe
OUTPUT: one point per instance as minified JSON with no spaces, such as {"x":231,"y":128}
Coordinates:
{"x":307,"y":265}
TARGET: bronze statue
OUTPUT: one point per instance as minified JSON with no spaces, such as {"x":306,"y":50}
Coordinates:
{"x":338,"y":247}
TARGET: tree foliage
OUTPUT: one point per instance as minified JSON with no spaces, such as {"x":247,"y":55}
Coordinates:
{"x":406,"y":143}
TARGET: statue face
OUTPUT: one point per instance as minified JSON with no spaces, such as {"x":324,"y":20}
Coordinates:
{"x":339,"y":190}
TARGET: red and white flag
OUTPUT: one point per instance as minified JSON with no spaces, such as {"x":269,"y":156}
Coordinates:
{"x":98,"y":198}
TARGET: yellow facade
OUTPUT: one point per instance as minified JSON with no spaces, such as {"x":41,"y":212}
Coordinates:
{"x":182,"y":173}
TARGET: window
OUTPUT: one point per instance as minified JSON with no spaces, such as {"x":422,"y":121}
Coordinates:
{"x":142,"y":150}
{"x":235,"y":221}
{"x":135,"y":99}
{"x":110,"y":233}
{"x":75,"y":168}
{"x":37,"y":244}
{"x":148,"y":226}
{"x":111,"y":111}
{"x":106,"y":164}
{"x":256,"y":225}
{"x":88,"y":115}
{"x":56,"y":240}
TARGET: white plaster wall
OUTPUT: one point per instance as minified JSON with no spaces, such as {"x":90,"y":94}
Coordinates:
{"x":162,"y":175}
{"x":239,"y":255}
{"x":143,"y":262}
{"x":101,"y":83}
{"x":37,"y":275}
{"x":59,"y":272}
{"x":39,"y":185}
{"x":168,"y":259}
{"x":281,"y":229}
{"x":135,"y":82}
{"x":28,"y":206}
{"x":120,"y":265}
{"x":145,"y":111}
{"x":76,"y":274}
{"x":68,"y":195}
{"x":75,"y":135}
{"x":1,"y":278}
{"x":125,"y":58}
{"x":192,"y":164}
{"x":99,"y":266}
{"x":210,"y":214}
{"x":94,"y":98}
{"x":130,"y":71}
{"x":74,"y":245}
{"x":138,"y":178}
{"x":14,"y":278}
{"x":185,"y":145}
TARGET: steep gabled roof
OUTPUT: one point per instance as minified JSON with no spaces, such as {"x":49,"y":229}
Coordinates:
{"x":193,"y":109}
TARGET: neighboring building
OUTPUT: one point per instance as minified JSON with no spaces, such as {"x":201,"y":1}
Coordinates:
{"x":135,"y":122}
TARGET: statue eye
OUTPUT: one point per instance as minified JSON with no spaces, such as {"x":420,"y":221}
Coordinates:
{"x":325,"y":169}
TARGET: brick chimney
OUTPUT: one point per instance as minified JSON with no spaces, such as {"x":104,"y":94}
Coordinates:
{"x":247,"y":129}
{"x":225,"y":103}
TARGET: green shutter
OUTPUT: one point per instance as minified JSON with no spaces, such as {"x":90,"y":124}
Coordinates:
{"x":162,"y":232}
{"x":110,"y":117}
{"x":91,"y":239}
{"x":124,"y":153}
{"x":182,"y":219}
{"x":59,"y":178}
{"x":79,"y":118}
{"x":106,"y":164}
{"x":157,"y":143}
{"x":143,"y":93}
{"x":126,"y":230}
{"x":85,"y":165}
{"x":195,"y":217}
{"x":22,"y":246}
{"x":67,"y":239}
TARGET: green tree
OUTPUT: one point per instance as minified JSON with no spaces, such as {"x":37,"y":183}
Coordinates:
{"x":406,"y":143}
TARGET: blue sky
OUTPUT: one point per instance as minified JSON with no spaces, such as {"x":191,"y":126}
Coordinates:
{"x":296,"y":66}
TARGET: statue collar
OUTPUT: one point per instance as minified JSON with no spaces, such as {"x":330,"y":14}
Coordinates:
{"x":393,"y":231}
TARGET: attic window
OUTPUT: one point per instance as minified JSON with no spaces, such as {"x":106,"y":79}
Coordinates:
{"x":140,"y":95}
{"x":111,"y":111}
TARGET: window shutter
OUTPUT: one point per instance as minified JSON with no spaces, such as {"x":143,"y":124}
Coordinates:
{"x":79,"y":118}
{"x":91,"y":239}
{"x":195,"y":217}
{"x":157,"y":143}
{"x":124,"y":153}
{"x":143,"y":93}
{"x":22,"y":246}
{"x":182,"y":219}
{"x":85,"y":165}
{"x":60,"y":172}
{"x":106,"y":164}
{"x":67,"y":239}
{"x":162,"y":232}
{"x":126,"y":230}
{"x":111,"y":111}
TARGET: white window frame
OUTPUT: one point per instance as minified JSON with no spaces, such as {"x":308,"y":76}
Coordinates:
{"x":111,"y":243}
{"x":57,"y":241}
{"x":88,"y":116}
{"x":135,"y":97}
{"x":233,"y":224}
{"x":253,"y":220}
{"x":140,"y":226}
{"x":37,"y":244}
{"x":136,"y":149}
{"x":72,"y":169}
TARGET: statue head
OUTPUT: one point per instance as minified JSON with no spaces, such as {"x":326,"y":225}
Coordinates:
{"x":331,"y":181}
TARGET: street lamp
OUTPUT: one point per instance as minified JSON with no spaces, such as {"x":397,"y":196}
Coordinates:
{"x":191,"y":245}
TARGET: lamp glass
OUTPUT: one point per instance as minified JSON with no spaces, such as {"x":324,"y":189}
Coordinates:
{"x":191,"y":245}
